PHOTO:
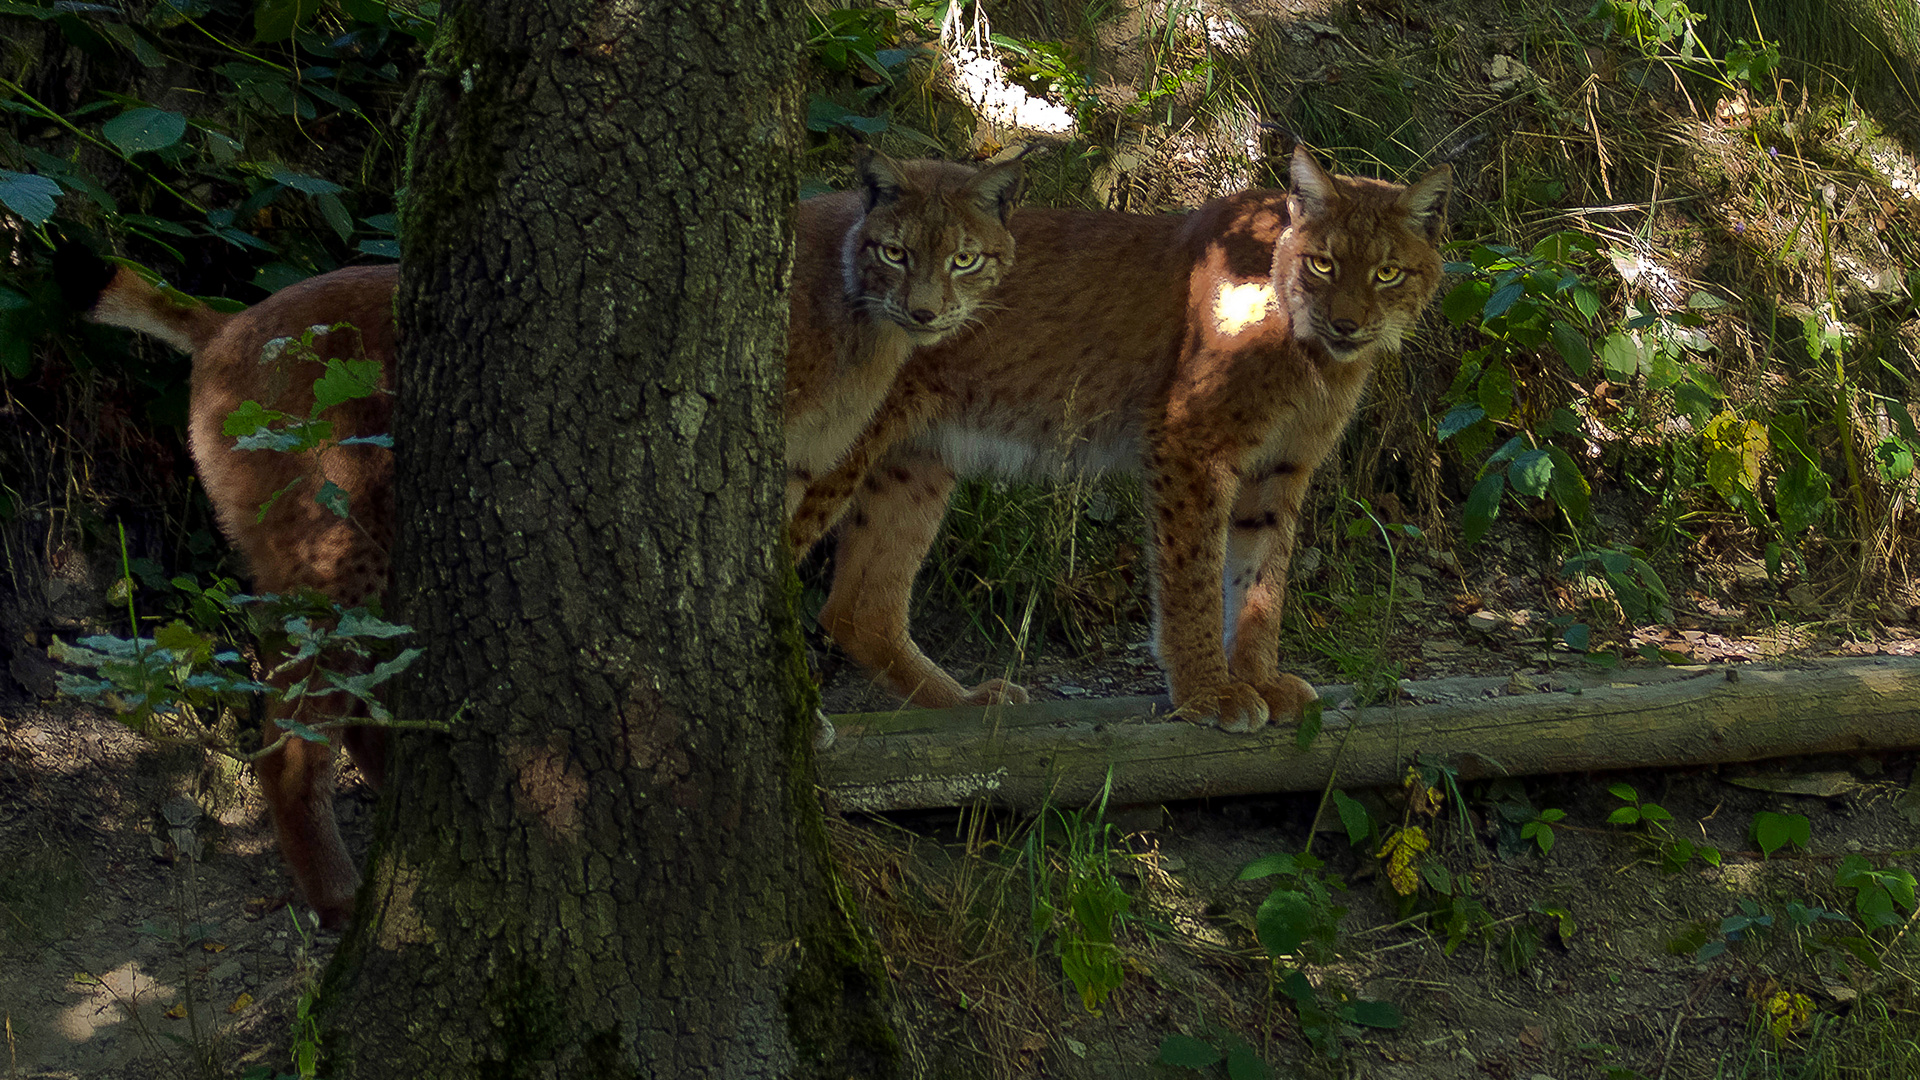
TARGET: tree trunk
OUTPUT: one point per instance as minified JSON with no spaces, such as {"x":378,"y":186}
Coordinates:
{"x":1129,"y":750}
{"x":612,"y":865}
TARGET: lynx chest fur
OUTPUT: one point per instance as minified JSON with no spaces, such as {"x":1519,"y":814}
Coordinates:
{"x":1219,"y":355}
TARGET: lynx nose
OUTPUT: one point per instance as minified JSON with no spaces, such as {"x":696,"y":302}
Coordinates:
{"x":923,"y":316}
{"x":1345,"y":327}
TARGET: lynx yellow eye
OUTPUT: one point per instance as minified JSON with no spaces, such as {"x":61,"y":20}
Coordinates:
{"x":966,"y":260}
{"x":894,"y":254}
{"x":1388,"y":275}
{"x":1320,"y":263}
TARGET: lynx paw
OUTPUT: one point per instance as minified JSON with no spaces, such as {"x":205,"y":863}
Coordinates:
{"x":997,"y":692}
{"x":1234,"y":706}
{"x":1286,"y":695}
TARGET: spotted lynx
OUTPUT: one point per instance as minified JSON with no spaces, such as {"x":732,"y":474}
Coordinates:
{"x":903,"y":260}
{"x":1220,"y":354}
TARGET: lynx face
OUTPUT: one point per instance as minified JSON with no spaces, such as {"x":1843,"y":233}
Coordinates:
{"x":933,"y":244}
{"x":1354,"y":271}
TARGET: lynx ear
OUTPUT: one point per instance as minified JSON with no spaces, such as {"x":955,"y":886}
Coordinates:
{"x":999,"y":189}
{"x":879,"y":174}
{"x":1426,"y":202}
{"x":1313,"y":189}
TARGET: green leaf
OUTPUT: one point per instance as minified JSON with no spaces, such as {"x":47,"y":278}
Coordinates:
{"x":334,"y":498}
{"x":1187,"y":1052}
{"x":276,"y":20}
{"x":1483,"y":505}
{"x":1573,"y":346}
{"x":134,"y":42}
{"x":250,"y":417}
{"x":1773,"y":831}
{"x":1374,"y":1014}
{"x":1531,"y":472}
{"x":1619,"y":356}
{"x":1243,"y":1063}
{"x":1354,"y":817}
{"x":1495,"y":392}
{"x":1284,"y":921}
{"x":383,"y":249}
{"x":28,"y":195}
{"x":1586,"y":301}
{"x":1312,"y":717}
{"x":1463,"y":304}
{"x":1569,"y":489}
{"x":1458,"y":419}
{"x":1503,"y":298}
{"x":1269,"y":865}
{"x":336,"y":215}
{"x":306,"y":185}
{"x":824,"y":115}
{"x":144,"y":129}
{"x":1801,"y":496}
{"x":345,"y":380}
{"x":1706,"y":301}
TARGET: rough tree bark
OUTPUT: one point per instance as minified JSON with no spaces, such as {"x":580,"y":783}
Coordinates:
{"x":612,"y":865}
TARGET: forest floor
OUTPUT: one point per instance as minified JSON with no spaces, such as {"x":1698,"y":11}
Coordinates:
{"x":140,"y":937}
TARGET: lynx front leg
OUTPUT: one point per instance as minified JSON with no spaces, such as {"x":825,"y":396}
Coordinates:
{"x":1265,"y":522}
{"x":1188,"y":493}
{"x":909,"y":407}
{"x":883,"y":540}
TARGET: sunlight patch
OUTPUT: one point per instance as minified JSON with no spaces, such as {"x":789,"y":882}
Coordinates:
{"x":1236,"y":307}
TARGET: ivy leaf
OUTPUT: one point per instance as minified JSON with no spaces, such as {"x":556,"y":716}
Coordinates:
{"x":28,"y":195}
{"x":1353,"y":816}
{"x":1483,"y":505}
{"x":144,"y":129}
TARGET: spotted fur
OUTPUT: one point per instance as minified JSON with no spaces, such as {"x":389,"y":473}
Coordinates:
{"x":902,"y":261}
{"x":1219,"y":354}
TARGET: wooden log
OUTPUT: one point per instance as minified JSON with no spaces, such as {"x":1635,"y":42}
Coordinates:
{"x":1064,"y":751}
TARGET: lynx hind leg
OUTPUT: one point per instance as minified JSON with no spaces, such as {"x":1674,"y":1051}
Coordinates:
{"x":1264,"y":524}
{"x":298,"y":780}
{"x":892,"y":522}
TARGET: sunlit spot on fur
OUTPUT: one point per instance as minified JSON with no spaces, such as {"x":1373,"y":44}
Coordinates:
{"x":1236,"y":307}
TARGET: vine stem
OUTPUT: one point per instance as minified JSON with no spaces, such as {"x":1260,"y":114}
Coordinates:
{"x":48,"y":114}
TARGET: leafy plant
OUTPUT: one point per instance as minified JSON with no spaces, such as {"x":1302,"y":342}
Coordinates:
{"x":1076,"y":898}
{"x":1673,"y":852}
{"x":1878,"y":895}
{"x":1773,"y":831}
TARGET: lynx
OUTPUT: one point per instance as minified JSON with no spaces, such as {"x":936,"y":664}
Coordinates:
{"x":1220,"y":354}
{"x":904,"y":260}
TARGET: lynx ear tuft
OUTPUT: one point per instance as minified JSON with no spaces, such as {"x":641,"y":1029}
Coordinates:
{"x":879,"y":174}
{"x":1313,"y":188}
{"x":999,"y":189}
{"x":1426,"y":202}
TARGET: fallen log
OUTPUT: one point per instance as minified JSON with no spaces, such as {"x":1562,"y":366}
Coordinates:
{"x":1064,"y":751}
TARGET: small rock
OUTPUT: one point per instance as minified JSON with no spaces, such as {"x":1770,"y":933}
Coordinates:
{"x":1070,"y":690}
{"x":1520,"y":684}
{"x":1486,"y":621}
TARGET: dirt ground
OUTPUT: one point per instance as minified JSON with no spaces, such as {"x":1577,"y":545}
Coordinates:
{"x":138,"y":880}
